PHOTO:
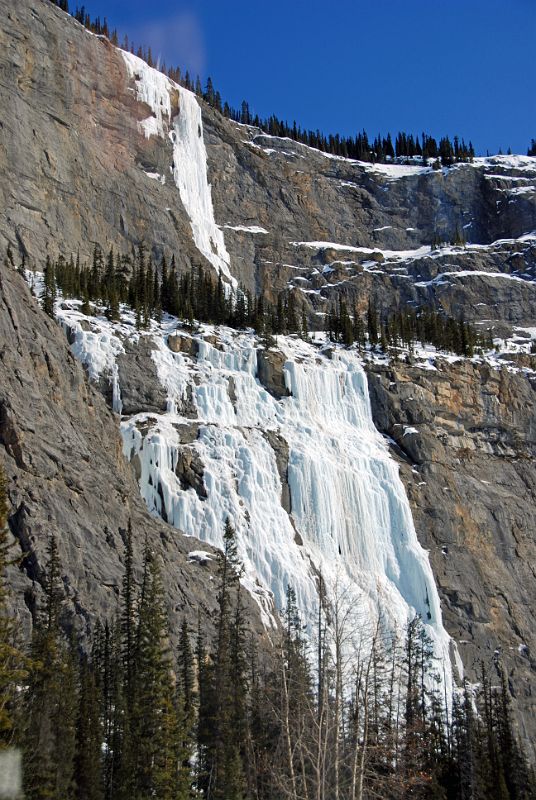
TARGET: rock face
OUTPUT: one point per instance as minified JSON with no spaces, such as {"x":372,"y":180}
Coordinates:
{"x":182,"y":344}
{"x":189,"y":471}
{"x":140,"y":389}
{"x":61,"y":448}
{"x":281,"y":450}
{"x":270,"y":371}
{"x":466,"y":439}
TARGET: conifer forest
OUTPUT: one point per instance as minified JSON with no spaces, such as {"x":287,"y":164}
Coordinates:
{"x":345,"y":713}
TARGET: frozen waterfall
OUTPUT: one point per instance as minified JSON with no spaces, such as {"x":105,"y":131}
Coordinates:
{"x":189,"y":155}
{"x":350,"y":516}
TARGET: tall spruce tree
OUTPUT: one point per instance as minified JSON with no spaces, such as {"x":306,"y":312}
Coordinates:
{"x":89,"y":737}
{"x":222,"y":775}
{"x":13,"y":666}
{"x":48,"y":297}
{"x":156,"y":722}
{"x":51,"y":703}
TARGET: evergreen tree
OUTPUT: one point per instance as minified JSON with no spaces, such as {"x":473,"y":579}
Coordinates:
{"x":220,"y":744}
{"x":13,"y":666}
{"x":89,"y":738}
{"x":51,"y":704}
{"x":155,"y":730}
{"x":372,"y":324}
{"x":49,"y":288}
{"x":128,"y":622}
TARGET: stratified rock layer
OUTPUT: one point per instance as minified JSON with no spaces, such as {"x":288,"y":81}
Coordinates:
{"x":466,"y":439}
{"x":77,"y":168}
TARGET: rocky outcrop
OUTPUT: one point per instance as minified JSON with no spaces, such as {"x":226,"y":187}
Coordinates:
{"x":281,"y":450}
{"x":270,"y":372}
{"x":183,"y":344}
{"x":189,"y":471}
{"x":61,"y":449}
{"x":140,"y":387}
{"x":465,"y":437}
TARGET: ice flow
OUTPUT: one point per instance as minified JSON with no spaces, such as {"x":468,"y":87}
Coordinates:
{"x":185,"y":131}
{"x":350,"y":518}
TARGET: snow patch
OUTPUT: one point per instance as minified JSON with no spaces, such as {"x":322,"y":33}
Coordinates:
{"x":155,"y":176}
{"x":201,"y":556}
{"x":246,"y":228}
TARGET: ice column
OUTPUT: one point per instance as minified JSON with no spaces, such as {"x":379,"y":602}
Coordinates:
{"x":189,"y":155}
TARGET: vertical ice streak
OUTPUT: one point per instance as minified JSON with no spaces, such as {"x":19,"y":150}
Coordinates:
{"x":190,"y":174}
{"x":189,"y":155}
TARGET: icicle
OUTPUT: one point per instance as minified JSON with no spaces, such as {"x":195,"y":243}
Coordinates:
{"x":117,"y":404}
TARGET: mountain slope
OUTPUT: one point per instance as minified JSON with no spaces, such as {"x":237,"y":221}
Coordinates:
{"x":90,"y":158}
{"x":86,"y":157}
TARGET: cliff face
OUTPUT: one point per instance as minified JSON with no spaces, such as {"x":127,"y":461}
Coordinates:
{"x":73,"y":161}
{"x":77,"y":168}
{"x":465,"y":437}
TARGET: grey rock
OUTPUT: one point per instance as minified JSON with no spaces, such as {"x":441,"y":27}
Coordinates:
{"x":88,"y":183}
{"x":270,"y":372}
{"x":183,"y":344}
{"x":470,"y":474}
{"x":140,"y":388}
{"x":188,"y":433}
{"x":190,"y":470}
{"x":281,"y":449}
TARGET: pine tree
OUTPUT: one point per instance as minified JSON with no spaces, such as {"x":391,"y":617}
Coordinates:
{"x":156,"y":734}
{"x":186,"y":706}
{"x":89,"y":738}
{"x":372,"y":324}
{"x":49,"y":288}
{"x":127,"y":618}
{"x":186,"y":677}
{"x":51,"y":702}
{"x":111,"y":289}
{"x":222,"y":776}
{"x":109,"y":671}
{"x":13,"y":666}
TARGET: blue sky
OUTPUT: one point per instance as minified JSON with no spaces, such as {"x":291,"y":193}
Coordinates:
{"x":465,"y":67}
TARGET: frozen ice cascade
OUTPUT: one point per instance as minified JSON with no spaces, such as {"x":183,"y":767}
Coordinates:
{"x":185,"y":131}
{"x":350,"y":517}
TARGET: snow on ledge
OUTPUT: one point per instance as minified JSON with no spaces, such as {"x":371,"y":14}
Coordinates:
{"x":155,"y":176}
{"x":201,"y":556}
{"x":246,"y":228}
